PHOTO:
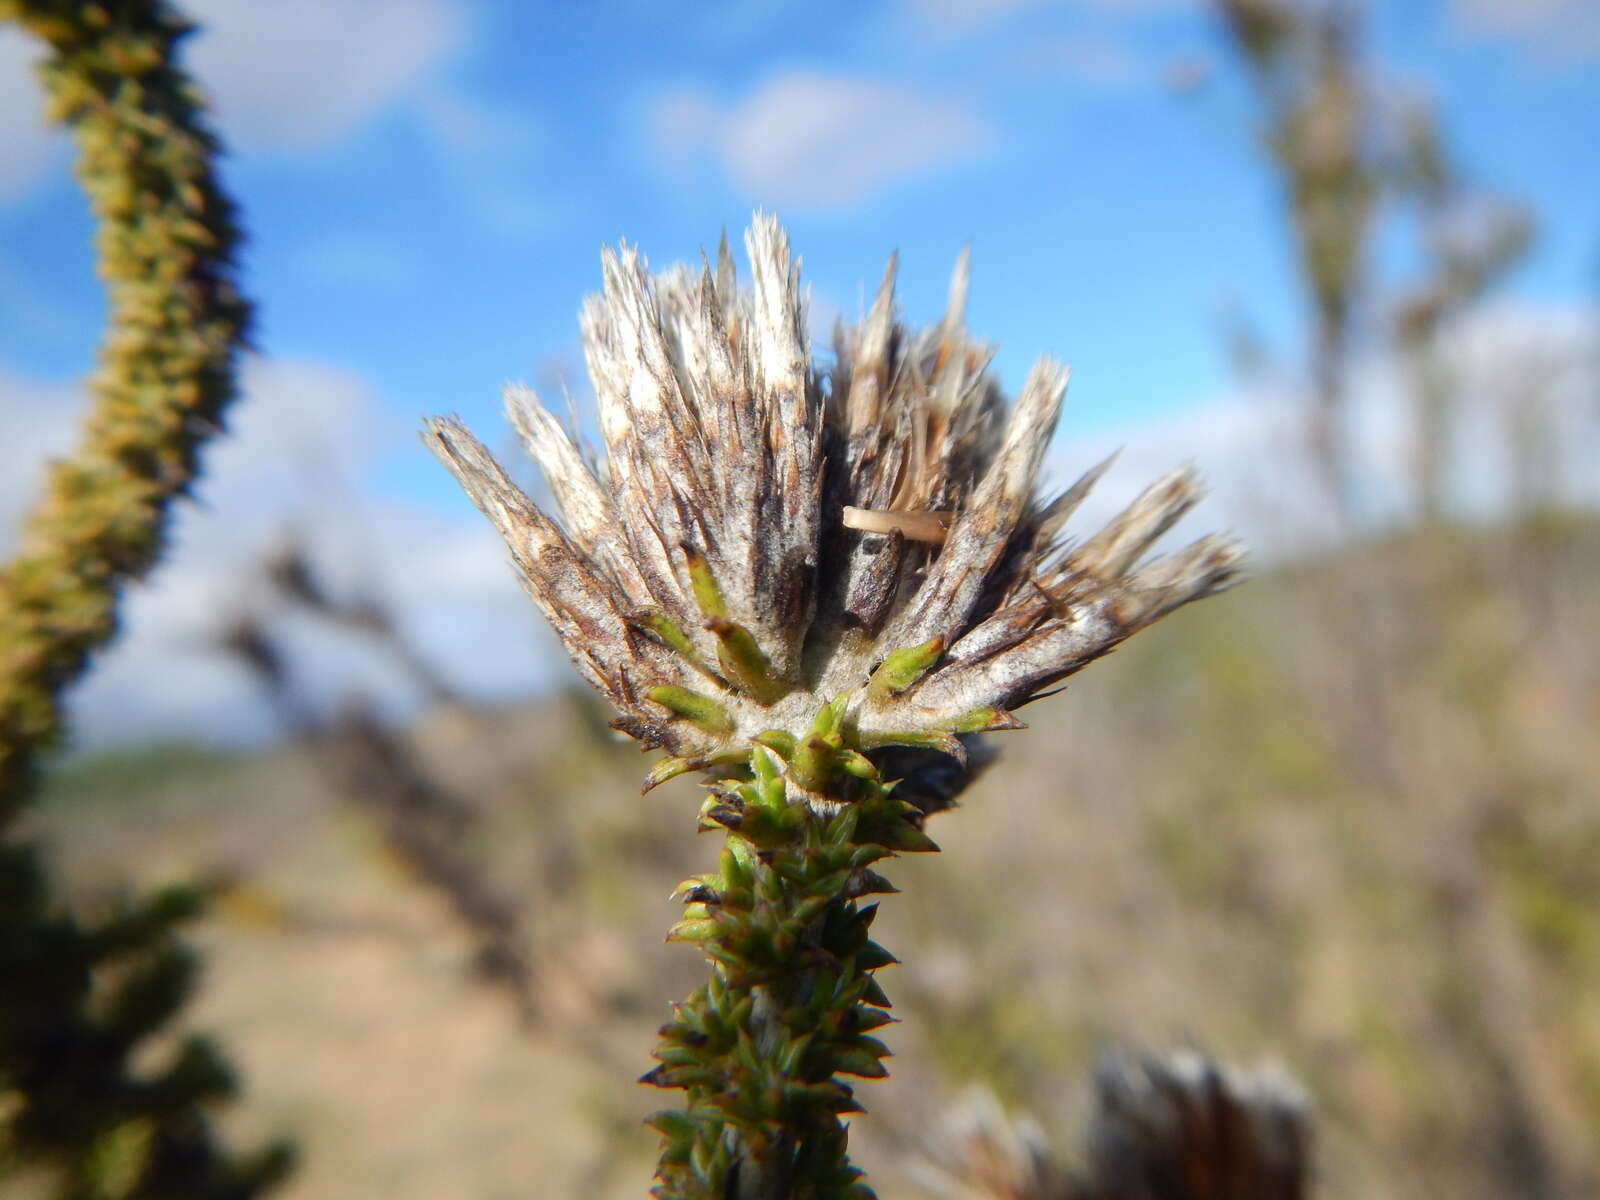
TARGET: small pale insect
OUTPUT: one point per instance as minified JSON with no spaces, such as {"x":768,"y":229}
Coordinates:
{"x":923,"y":526}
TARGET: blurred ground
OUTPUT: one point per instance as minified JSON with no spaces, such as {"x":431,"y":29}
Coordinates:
{"x":1346,"y":817}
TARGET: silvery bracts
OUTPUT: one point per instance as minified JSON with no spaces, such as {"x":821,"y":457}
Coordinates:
{"x":816,"y":584}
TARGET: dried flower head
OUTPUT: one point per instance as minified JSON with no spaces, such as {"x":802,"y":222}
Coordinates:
{"x":771,"y":540}
{"x":1179,"y":1126}
{"x":1185,"y":1127}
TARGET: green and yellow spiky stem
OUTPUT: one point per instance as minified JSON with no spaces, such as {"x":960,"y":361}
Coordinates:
{"x":792,"y":1001}
{"x":86,"y":1108}
{"x":166,"y":240}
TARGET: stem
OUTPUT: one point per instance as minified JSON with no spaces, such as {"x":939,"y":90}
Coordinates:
{"x":1329,"y":452}
{"x":791,"y":1001}
{"x":166,"y":243}
{"x":90,"y":1009}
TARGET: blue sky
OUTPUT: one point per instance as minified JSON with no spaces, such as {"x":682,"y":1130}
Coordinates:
{"x":427,"y":184}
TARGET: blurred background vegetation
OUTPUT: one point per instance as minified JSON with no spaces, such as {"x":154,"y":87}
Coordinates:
{"x":1376,"y":867}
{"x":1345,"y":818}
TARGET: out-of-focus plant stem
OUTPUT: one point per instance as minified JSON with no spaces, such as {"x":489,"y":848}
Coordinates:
{"x":166,"y":245}
{"x":87,"y":1109}
{"x":1318,"y":130}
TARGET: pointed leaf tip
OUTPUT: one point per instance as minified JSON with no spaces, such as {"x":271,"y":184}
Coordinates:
{"x":741,"y":659}
{"x":903,"y":668}
{"x":667,"y":768}
{"x":699,"y":709}
{"x":707,"y":594}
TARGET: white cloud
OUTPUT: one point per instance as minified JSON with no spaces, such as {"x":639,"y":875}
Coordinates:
{"x":446,"y":581}
{"x":29,"y":147}
{"x":300,"y":75}
{"x":1554,"y":31}
{"x":298,"y":443}
{"x":1519,"y":374}
{"x":804,"y":139}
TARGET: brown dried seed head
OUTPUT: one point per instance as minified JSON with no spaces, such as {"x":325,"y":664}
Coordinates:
{"x":766,"y":532}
